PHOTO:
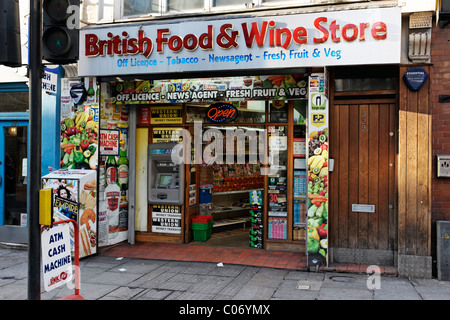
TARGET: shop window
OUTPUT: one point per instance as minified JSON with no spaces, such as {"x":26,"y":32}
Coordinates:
{"x":185,"y":5}
{"x":300,"y":112}
{"x":278,"y":111}
{"x":365,"y":78}
{"x":14,"y":101}
{"x":140,"y":7}
{"x":136,"y":8}
{"x":222,"y":3}
{"x":277,"y":193}
{"x":300,"y":184}
{"x":362,"y":84}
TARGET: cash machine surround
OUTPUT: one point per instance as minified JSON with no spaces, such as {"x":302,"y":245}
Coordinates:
{"x":166,"y":178}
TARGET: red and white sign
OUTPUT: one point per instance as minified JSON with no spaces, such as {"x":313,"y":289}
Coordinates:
{"x":56,"y":256}
{"x":368,"y":36}
{"x":109,"y":142}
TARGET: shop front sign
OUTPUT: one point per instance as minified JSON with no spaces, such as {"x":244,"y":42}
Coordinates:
{"x":222,"y":113}
{"x":368,"y":36}
{"x":166,"y":219}
{"x":268,"y":87}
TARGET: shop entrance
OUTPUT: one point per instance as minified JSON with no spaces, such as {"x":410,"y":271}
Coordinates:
{"x":231,"y":170}
{"x":13,"y":181}
{"x":363,"y":197}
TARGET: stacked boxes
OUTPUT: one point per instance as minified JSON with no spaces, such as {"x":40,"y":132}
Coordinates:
{"x":202,"y":227}
{"x":256,"y":219}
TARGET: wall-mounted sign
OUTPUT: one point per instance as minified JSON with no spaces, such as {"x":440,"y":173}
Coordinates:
{"x":166,"y":219}
{"x":164,"y":134}
{"x":415,"y":78}
{"x":109,"y":142}
{"x":222,"y":112}
{"x":166,"y":115}
{"x":346,"y":37}
{"x":50,"y":82}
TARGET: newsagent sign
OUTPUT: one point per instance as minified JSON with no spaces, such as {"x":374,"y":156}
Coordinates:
{"x":369,"y":36}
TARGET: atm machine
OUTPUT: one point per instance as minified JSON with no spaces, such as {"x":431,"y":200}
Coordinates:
{"x":165,"y":178}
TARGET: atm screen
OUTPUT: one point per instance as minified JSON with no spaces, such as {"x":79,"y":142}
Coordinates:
{"x":165,"y":180}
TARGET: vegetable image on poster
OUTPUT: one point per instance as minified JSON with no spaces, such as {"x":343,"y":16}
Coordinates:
{"x":317,"y":203}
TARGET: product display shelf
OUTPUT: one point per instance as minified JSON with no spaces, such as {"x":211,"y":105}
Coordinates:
{"x":230,"y":215}
{"x":227,"y":222}
{"x":235,"y":192}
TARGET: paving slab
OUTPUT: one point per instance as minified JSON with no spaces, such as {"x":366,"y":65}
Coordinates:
{"x":154,"y":294}
{"x":334,"y":293}
{"x":111,"y":277}
{"x":254,"y":292}
{"x":138,"y":266}
{"x":210,"y":284}
{"x":123,"y":293}
{"x":288,"y":290}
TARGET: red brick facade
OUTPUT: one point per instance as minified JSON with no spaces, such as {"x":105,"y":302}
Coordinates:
{"x":440,"y":84}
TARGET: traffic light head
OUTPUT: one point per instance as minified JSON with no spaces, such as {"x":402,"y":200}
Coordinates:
{"x":60,"y":31}
{"x":10,"y":54}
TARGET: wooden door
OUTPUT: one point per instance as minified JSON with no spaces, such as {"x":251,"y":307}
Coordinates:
{"x":363,"y":145}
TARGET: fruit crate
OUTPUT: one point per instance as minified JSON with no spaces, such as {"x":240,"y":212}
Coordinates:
{"x":202,"y":235}
{"x":202,"y":219}
{"x":202,"y":225}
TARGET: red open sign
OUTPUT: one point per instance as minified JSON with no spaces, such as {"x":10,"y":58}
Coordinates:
{"x":222,"y":112}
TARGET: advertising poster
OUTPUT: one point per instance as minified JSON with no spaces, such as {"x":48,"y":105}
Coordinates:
{"x":273,"y":87}
{"x":79,"y":124}
{"x":113,"y":169}
{"x":75,"y":197}
{"x":317,"y":201}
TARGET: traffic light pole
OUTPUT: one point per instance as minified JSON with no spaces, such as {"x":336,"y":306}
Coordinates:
{"x":34,"y":140}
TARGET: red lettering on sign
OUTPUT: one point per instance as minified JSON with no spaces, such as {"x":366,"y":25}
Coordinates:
{"x":221,"y":112}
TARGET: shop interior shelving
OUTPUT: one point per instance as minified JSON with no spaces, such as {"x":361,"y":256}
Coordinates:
{"x":230,"y":215}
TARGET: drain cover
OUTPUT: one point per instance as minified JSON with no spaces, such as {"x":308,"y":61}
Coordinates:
{"x":342,"y":278}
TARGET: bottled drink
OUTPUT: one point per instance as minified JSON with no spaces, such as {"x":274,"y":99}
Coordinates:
{"x":103,"y":227}
{"x":90,"y":92}
{"x":123,"y":210}
{"x":97,"y":94}
{"x":111,"y":170}
{"x":122,"y":164}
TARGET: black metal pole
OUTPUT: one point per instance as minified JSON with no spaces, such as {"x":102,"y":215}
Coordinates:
{"x":34,"y":149}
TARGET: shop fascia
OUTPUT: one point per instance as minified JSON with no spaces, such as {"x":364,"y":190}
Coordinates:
{"x":368,"y":36}
{"x":267,"y":32}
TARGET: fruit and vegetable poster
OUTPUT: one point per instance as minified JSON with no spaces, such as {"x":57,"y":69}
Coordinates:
{"x":317,"y":241}
{"x":79,"y":124}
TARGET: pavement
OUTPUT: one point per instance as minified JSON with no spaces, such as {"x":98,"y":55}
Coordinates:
{"x":107,"y":277}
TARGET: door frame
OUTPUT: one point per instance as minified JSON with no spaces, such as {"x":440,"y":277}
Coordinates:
{"x":11,"y":233}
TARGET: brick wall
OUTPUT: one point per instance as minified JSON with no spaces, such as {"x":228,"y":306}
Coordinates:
{"x":440,"y":84}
